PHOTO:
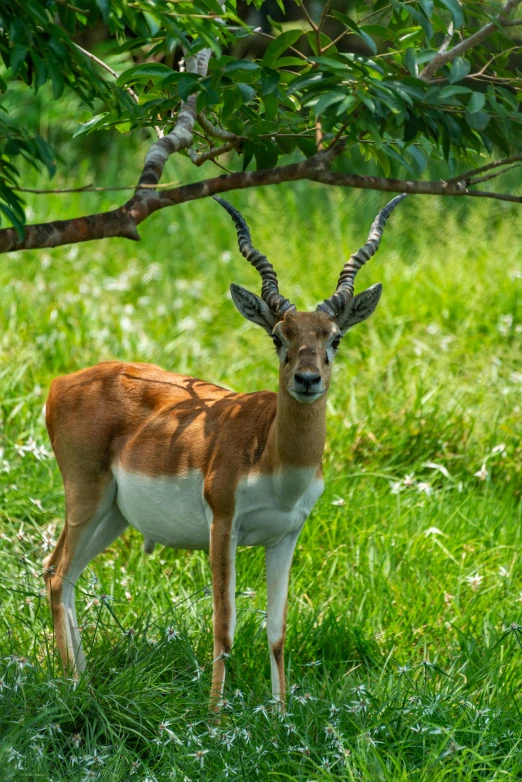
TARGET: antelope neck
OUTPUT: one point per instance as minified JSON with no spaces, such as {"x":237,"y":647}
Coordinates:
{"x":298,"y":432}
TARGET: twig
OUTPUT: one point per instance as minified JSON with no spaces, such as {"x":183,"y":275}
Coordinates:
{"x":447,"y":40}
{"x":499,"y":196}
{"x":88,"y":189}
{"x":492,"y":175}
{"x":72,"y":7}
{"x":495,"y":164}
{"x":382,"y":10}
{"x":442,"y":58}
{"x":215,"y":131}
{"x":210,"y":154}
{"x":309,"y":18}
{"x":273,"y":38}
{"x":104,"y":65}
{"x":129,"y":90}
{"x":512,"y":22}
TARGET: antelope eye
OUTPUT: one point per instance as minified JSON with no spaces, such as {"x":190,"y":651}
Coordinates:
{"x":277,"y":342}
{"x":336,"y":342}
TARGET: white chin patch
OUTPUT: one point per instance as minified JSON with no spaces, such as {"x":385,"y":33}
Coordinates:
{"x":306,"y":398}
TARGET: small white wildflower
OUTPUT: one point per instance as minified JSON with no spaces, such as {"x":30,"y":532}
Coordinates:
{"x":200,"y":669}
{"x":424,"y":488}
{"x":171,"y":633}
{"x":481,"y":474}
{"x":505,"y":323}
{"x":503,"y":572}
{"x":432,"y":531}
{"x":500,"y":448}
{"x":396,"y":487}
{"x":226,"y":257}
{"x":409,"y":480}
{"x":96,"y":759}
{"x":339,"y":502}
{"x":36,"y":502}
{"x":199,"y":755}
{"x":475,"y":581}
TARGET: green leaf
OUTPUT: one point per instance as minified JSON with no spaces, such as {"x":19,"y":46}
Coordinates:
{"x":455,"y":10}
{"x":356,"y":29}
{"x":421,"y":20}
{"x":347,"y":106}
{"x":40,"y":70}
{"x":477,"y":120}
{"x":279,"y":46}
{"x":248,"y":153}
{"x":232,"y":100}
{"x":86,"y":127}
{"x":269,"y":80}
{"x":57,"y":79}
{"x":240,"y":65}
{"x":18,"y":55}
{"x":383,"y":160}
{"x":418,"y":159}
{"x":17,"y":224}
{"x":266,"y":154}
{"x":307,"y":146}
{"x":187,"y":84}
{"x":247,"y":92}
{"x":476,"y":102}
{"x":399,"y":158}
{"x":460,"y":68}
{"x":427,"y":7}
{"x":145,"y":72}
{"x":380,"y":31}
{"x":270,"y":103}
{"x":411,"y":61}
{"x":327,"y":100}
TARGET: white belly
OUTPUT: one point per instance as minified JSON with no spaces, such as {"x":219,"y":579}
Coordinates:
{"x":173,"y":511}
{"x":170,"y":510}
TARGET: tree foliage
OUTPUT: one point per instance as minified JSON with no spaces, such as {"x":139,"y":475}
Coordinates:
{"x":403,"y":83}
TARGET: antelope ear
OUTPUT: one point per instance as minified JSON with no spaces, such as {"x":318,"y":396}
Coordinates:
{"x":359,"y":308}
{"x":253,"y":308}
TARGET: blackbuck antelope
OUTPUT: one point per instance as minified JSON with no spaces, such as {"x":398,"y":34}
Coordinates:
{"x":195,"y":466}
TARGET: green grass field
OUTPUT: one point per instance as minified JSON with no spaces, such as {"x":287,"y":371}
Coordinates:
{"x":404,"y":651}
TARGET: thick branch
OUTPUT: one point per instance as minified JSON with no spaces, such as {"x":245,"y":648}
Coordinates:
{"x":444,"y":57}
{"x":123,"y":221}
{"x":180,"y":137}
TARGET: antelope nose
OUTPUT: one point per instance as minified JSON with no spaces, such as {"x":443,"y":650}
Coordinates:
{"x":307,"y":379}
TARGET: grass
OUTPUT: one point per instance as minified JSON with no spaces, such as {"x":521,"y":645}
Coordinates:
{"x":404,"y":647}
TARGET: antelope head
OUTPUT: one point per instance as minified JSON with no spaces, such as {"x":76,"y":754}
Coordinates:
{"x":306,"y":342}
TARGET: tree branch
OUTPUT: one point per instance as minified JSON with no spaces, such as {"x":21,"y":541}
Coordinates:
{"x":123,"y":221}
{"x":210,"y":154}
{"x":215,"y":131}
{"x":444,"y":57}
{"x":181,"y":136}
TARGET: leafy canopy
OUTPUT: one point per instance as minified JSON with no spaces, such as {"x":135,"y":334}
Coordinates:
{"x":356,"y":73}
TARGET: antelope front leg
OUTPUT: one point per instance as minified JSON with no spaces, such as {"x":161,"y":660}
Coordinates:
{"x":278,"y":562}
{"x":223,"y":544}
